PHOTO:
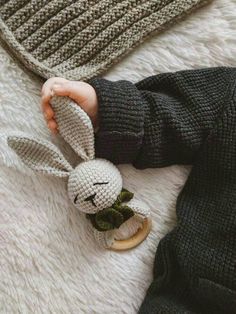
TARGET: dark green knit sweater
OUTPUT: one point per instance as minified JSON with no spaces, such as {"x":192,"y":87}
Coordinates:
{"x":187,"y":117}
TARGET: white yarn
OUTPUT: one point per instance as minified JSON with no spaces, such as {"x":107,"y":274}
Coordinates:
{"x":41,"y":156}
{"x":139,"y":208}
{"x":97,"y":177}
{"x":75,"y":126}
{"x":104,"y":239}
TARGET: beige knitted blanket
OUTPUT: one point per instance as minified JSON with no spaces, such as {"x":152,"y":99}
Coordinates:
{"x":79,"y":39}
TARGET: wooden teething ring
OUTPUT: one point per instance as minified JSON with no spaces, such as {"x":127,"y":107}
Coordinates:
{"x":136,"y":239}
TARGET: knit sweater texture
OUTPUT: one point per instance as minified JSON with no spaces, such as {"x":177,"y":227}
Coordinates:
{"x":187,"y":117}
{"x":79,"y":39}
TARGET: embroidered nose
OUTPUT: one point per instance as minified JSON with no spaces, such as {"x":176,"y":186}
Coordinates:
{"x":91,"y":199}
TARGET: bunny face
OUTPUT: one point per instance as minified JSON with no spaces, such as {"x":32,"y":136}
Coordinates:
{"x":94,"y":185}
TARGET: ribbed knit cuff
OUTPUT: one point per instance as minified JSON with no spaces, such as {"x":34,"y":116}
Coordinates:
{"x":121,"y":120}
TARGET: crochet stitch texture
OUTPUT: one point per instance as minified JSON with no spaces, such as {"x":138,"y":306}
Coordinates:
{"x":188,"y":117}
{"x":80,"y":39}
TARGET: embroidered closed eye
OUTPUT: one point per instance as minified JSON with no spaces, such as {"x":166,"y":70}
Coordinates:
{"x":100,"y":183}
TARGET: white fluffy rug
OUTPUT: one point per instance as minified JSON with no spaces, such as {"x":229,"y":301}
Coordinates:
{"x":49,"y":262}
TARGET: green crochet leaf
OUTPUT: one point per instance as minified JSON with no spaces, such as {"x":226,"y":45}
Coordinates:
{"x":126,"y":212}
{"x":113,"y":217}
{"x":92,"y":218}
{"x":108,"y":219}
{"x":125,"y":196}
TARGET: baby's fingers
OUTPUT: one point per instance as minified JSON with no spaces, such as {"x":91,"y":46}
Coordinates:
{"x":48,"y":112}
{"x":52,"y":125}
{"x":47,"y":92}
{"x":63,"y":89}
{"x":70,"y":89}
{"x":46,"y":96}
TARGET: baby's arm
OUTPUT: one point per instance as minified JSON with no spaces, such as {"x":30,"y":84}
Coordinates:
{"x":159,"y":121}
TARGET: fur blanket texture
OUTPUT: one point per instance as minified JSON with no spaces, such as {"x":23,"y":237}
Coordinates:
{"x":49,"y":261}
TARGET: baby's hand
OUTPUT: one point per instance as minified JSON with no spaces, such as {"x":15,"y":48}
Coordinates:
{"x":82,"y":93}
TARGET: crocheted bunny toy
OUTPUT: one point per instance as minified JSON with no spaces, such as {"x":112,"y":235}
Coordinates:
{"x":94,"y":185}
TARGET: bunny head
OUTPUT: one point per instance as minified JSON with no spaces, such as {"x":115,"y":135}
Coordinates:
{"x":95,"y":183}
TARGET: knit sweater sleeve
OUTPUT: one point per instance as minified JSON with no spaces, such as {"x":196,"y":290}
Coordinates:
{"x":161,"y":120}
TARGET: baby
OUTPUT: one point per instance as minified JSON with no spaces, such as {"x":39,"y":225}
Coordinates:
{"x":187,"y":117}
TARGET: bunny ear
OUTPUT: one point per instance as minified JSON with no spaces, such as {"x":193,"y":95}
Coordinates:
{"x":41,"y":156}
{"x":75,"y":126}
